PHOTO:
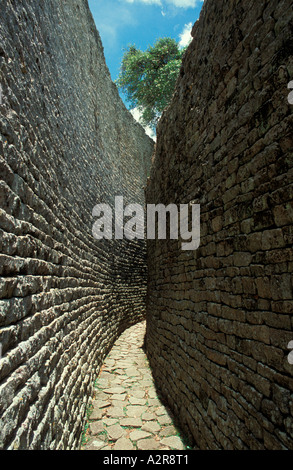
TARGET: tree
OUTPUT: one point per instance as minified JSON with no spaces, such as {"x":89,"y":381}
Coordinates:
{"x":148,"y":78}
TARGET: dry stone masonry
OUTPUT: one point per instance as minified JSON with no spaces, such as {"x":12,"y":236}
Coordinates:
{"x":67,"y":143}
{"x":219,"y":319}
{"x":126,"y":412}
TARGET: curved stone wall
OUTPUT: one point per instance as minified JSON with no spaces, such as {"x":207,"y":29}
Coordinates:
{"x":219,"y":319}
{"x":67,"y":143}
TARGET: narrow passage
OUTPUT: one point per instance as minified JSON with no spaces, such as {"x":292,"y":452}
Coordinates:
{"x":126,"y":412}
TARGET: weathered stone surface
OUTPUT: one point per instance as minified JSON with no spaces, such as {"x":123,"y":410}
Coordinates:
{"x":138,"y":393}
{"x":115,"y":412}
{"x":131,"y":431}
{"x":95,"y":445}
{"x":119,"y":403}
{"x":217,"y":317}
{"x":164,"y":419}
{"x":115,"y":432}
{"x":110,"y":421}
{"x":96,"y":428}
{"x":115,"y":390}
{"x":67,"y":143}
{"x":137,"y":401}
{"x":132,"y":371}
{"x":119,"y":398}
{"x":101,"y":403}
{"x":148,"y":444}
{"x":161,"y":411}
{"x":151,"y":426}
{"x":97,"y":413}
{"x":132,"y":422}
{"x":168,"y":431}
{"x":123,"y":444}
{"x":148,"y":416}
{"x":173,"y":442}
{"x":101,"y":396}
{"x":137,"y":435}
{"x":135,"y":411}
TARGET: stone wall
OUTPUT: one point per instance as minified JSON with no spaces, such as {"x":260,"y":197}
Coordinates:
{"x":67,"y":143}
{"x":219,"y":319}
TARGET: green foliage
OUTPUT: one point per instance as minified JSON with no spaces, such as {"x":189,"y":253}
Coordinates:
{"x":148,"y":78}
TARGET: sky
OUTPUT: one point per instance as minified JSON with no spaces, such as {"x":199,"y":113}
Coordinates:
{"x":141,"y":22}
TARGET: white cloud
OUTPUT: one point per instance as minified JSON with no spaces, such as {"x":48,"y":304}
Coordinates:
{"x":148,"y":2}
{"x":176,"y":3}
{"x":183,"y":3}
{"x":185,"y":36}
{"x":136,"y":113}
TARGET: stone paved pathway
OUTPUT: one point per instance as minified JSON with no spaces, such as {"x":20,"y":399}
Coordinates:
{"x":126,"y":412}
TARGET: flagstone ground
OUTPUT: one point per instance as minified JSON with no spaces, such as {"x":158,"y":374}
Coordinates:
{"x":126,"y":412}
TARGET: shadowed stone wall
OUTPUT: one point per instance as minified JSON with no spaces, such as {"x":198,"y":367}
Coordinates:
{"x":67,"y":143}
{"x":219,"y":319}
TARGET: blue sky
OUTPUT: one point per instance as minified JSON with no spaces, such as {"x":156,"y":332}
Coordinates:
{"x":141,"y":22}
